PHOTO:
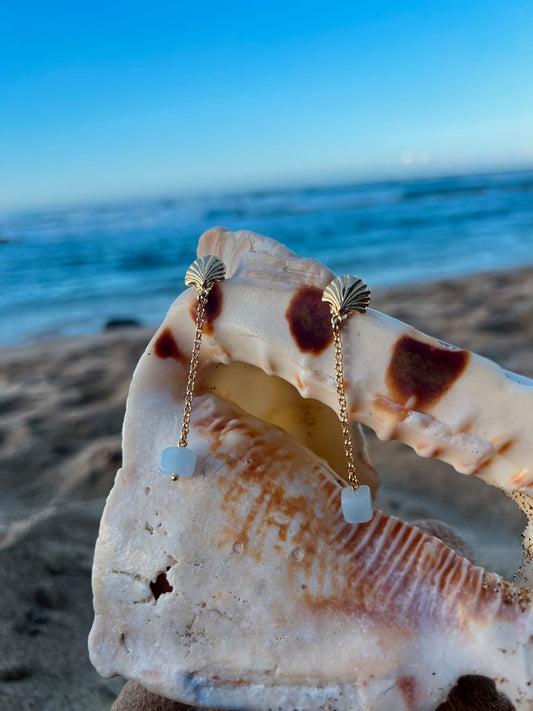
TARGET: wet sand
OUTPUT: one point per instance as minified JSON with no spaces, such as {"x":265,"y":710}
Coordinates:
{"x":61,"y":410}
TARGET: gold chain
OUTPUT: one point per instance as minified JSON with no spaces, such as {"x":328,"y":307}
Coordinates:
{"x":193,"y":369}
{"x":336,"y":321}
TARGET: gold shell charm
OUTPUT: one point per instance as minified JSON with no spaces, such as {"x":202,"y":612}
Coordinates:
{"x":347,"y":294}
{"x":204,"y":272}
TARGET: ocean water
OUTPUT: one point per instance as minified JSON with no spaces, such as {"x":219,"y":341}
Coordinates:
{"x":68,"y":272}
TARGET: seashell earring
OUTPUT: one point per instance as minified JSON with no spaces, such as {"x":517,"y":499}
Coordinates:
{"x":202,"y":275}
{"x":345,"y":295}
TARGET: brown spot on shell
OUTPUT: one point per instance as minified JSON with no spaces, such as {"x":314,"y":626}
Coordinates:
{"x":309,"y":320}
{"x":166,"y":347}
{"x":213,"y":309}
{"x":503,"y":448}
{"x":388,"y":407}
{"x":465,"y":427}
{"x":422,"y":371}
{"x":520,"y":476}
{"x":407,"y":686}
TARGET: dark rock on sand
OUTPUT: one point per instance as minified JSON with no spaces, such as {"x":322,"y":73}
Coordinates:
{"x":115,"y":323}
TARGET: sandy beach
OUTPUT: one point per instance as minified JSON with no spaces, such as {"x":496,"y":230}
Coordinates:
{"x":61,"y":409}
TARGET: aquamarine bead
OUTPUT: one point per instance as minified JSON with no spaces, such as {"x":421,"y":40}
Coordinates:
{"x":357,"y":505}
{"x":177,"y":461}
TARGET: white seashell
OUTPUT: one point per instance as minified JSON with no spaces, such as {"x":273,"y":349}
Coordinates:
{"x":242,"y":586}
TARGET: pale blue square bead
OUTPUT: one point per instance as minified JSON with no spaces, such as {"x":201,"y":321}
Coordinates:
{"x":177,"y":461}
{"x":357,"y":505}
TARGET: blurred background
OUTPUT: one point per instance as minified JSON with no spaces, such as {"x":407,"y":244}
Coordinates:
{"x":393,"y":140}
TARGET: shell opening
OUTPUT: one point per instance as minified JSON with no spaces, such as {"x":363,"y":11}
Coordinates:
{"x":274,"y":400}
{"x":411,"y":484}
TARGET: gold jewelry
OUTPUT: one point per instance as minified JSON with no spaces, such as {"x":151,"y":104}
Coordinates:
{"x":203,"y":274}
{"x":345,"y":295}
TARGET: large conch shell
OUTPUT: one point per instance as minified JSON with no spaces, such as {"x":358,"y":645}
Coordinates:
{"x":243,"y":587}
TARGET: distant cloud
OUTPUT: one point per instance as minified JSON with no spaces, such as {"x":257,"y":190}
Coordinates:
{"x":408,"y":158}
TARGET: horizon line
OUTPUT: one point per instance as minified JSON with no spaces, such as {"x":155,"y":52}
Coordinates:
{"x":396,"y":175}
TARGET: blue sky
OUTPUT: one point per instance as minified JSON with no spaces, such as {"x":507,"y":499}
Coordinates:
{"x":124,"y":99}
